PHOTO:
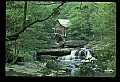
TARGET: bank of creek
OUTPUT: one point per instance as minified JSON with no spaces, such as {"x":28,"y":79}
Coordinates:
{"x":62,"y":66}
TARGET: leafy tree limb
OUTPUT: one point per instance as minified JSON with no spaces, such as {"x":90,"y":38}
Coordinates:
{"x":16,"y":35}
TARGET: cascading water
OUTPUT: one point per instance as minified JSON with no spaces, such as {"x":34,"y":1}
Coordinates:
{"x":68,"y":57}
{"x":76,"y":57}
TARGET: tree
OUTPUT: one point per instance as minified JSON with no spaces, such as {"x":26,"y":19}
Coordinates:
{"x":20,"y":16}
{"x":16,"y":35}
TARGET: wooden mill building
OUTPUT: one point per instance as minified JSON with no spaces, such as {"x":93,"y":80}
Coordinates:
{"x":60,"y":29}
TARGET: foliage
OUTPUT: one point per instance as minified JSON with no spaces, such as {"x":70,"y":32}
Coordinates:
{"x":90,"y":21}
{"x":88,"y":69}
{"x":51,"y":64}
{"x":27,"y":56}
{"x":108,"y":59}
{"x":36,"y":36}
{"x":9,"y":53}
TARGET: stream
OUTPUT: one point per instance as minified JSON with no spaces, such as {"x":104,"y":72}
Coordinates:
{"x":34,"y":69}
{"x":77,"y":57}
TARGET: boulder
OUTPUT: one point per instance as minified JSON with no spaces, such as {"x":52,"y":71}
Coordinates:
{"x":73,"y":43}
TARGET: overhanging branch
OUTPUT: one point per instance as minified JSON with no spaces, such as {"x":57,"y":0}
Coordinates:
{"x":16,"y":35}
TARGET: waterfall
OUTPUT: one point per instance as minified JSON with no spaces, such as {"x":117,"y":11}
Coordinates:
{"x":76,"y":56}
{"x":68,"y":57}
{"x":73,"y":52}
{"x":88,"y":54}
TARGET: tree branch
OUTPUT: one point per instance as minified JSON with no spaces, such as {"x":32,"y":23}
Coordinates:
{"x":16,"y":35}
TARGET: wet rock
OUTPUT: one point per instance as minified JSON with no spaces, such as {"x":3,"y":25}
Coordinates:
{"x":19,"y":60}
{"x":22,"y":71}
{"x":75,"y":43}
{"x":77,"y":65}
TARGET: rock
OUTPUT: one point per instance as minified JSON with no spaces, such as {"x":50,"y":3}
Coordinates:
{"x":20,"y":63}
{"x":108,"y":71}
{"x":19,"y":59}
{"x":77,"y":65}
{"x":22,"y":70}
{"x":75,"y":43}
{"x":61,"y":72}
{"x":54,"y":52}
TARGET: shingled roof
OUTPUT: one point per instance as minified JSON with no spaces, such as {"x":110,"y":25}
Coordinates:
{"x":64,"y":22}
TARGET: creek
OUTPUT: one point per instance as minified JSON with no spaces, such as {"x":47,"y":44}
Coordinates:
{"x":77,"y":57}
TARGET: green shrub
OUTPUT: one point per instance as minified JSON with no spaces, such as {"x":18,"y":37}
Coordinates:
{"x":9,"y":53}
{"x":27,"y":56}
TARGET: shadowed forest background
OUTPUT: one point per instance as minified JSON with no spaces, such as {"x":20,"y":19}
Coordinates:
{"x":29,"y":28}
